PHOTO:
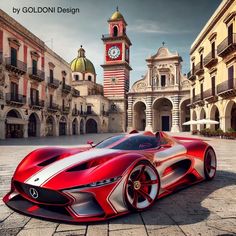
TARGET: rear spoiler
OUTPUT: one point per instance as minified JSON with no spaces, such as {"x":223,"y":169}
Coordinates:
{"x":187,"y":138}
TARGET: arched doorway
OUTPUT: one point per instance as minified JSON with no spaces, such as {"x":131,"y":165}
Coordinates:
{"x":230,"y":114}
{"x":50,"y":126}
{"x":14,"y":124}
{"x":91,"y":126}
{"x":115,"y":31}
{"x":162,"y":115}
{"x":75,"y":127}
{"x":185,"y":115}
{"x":215,"y":115}
{"x":194,"y":117}
{"x":201,"y":117}
{"x":139,"y":118}
{"x":62,"y":126}
{"x":33,"y":126}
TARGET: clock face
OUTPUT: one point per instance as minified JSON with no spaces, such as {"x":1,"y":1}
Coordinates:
{"x":113,"y":52}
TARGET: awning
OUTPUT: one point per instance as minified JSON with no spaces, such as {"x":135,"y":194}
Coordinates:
{"x":16,"y":121}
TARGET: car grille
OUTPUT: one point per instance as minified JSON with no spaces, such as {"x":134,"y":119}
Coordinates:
{"x":41,"y":195}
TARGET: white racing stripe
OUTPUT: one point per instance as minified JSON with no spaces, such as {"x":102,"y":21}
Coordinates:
{"x":55,"y":168}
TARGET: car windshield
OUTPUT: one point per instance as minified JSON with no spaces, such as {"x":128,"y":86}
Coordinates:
{"x":136,"y":142}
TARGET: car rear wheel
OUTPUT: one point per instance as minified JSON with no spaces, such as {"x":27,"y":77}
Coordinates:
{"x":142,"y":186}
{"x":210,"y":164}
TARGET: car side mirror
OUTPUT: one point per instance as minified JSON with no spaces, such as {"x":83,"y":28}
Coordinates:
{"x":90,"y":142}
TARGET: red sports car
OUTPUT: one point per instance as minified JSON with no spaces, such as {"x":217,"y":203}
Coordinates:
{"x":121,"y":174}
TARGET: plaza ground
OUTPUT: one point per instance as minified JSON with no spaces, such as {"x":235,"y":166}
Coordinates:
{"x":208,"y":208}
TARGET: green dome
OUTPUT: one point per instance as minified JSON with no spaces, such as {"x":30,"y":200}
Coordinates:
{"x":81,"y":63}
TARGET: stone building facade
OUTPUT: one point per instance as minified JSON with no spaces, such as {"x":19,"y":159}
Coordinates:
{"x":159,"y":100}
{"x":213,"y":70}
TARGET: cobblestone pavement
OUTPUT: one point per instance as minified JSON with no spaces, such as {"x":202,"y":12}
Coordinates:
{"x":208,"y":208}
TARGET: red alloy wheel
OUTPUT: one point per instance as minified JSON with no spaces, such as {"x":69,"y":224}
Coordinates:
{"x":142,"y":186}
{"x":210,"y":164}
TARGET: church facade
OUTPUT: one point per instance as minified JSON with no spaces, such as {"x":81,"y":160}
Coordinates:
{"x":159,"y":101}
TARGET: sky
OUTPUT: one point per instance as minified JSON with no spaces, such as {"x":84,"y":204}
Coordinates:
{"x":150,"y":22}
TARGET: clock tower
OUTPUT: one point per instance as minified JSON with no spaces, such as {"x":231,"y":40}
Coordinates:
{"x":117,"y":71}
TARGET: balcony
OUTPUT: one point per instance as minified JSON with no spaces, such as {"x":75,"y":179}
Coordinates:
{"x":37,"y":75}
{"x":227,"y":88}
{"x":66,"y":88}
{"x":37,"y":104}
{"x":53,"y":83}
{"x":227,"y":46}
{"x":191,"y":75}
{"x":75,"y":112}
{"x":210,"y":60}
{"x":199,"y":70}
{"x":53,"y":107}
{"x":16,"y":66}
{"x":15,"y":99}
{"x":210,"y":96}
{"x":65,"y":110}
{"x":198,"y":100}
{"x":75,"y":92}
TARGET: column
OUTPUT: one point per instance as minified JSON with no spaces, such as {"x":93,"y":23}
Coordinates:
{"x":149,"y":114}
{"x":2,"y":128}
{"x":130,"y":114}
{"x":175,"y":114}
{"x":149,"y":75}
{"x":25,"y":130}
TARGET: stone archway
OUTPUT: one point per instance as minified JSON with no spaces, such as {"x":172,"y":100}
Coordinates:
{"x":91,"y":126}
{"x":62,"y":126}
{"x":139,"y":118}
{"x":14,"y":124}
{"x":185,"y":115}
{"x":230,"y":116}
{"x":202,"y":115}
{"x":162,"y":114}
{"x":50,"y":129}
{"x":215,"y":115}
{"x":75,"y":127}
{"x":34,"y":125}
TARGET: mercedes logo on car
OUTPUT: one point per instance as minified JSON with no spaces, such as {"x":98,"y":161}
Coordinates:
{"x":33,"y":193}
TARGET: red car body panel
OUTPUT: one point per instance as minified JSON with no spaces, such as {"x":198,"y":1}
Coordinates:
{"x":89,"y":184}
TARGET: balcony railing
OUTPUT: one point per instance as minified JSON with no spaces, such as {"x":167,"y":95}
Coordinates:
{"x":66,"y":88}
{"x":75,"y":112}
{"x":199,"y":69}
{"x":53,"y":83}
{"x":15,"y":99}
{"x":210,"y":60}
{"x":227,"y":46}
{"x":65,"y":110}
{"x":191,"y":74}
{"x":36,"y":104}
{"x":227,"y":88}
{"x":75,"y":92}
{"x":198,"y":100}
{"x":210,"y":95}
{"x":108,"y":36}
{"x":16,"y":66}
{"x":36,"y":74}
{"x":53,"y":107}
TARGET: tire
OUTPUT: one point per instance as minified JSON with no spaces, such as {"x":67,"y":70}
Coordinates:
{"x":210,"y":164}
{"x":142,"y":186}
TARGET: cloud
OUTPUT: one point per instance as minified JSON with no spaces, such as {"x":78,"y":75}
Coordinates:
{"x":152,"y":27}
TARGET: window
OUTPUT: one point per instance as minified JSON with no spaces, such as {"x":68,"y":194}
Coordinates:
{"x":213,"y":49}
{"x":34,"y":67}
{"x":213,"y":84}
{"x":76,"y":77}
{"x":63,"y":104}
{"x":81,"y":109}
{"x":51,"y":74}
{"x":193,"y":93}
{"x":89,"y":109}
{"x":34,"y":96}
{"x":13,"y":57}
{"x":115,"y":31}
{"x":201,"y":91}
{"x":89,"y":78}
{"x":163,"y":80}
{"x":50,"y":100}
{"x":193,"y":68}
{"x":230,"y":77}
{"x":63,"y":81}
{"x":14,"y":90}
{"x":201,"y":60}
{"x":230,"y":34}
